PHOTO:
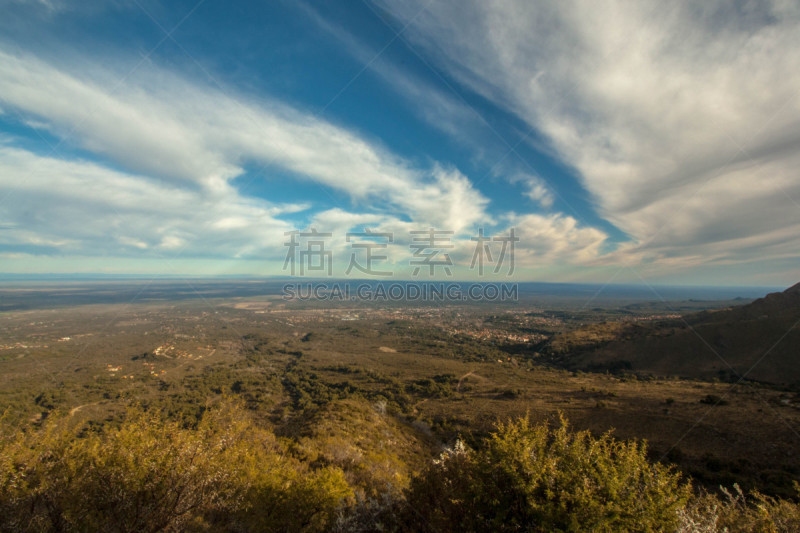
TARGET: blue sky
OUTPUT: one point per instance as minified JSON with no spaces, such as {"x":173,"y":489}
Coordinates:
{"x":624,"y":143}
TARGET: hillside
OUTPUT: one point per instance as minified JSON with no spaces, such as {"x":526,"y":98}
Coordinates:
{"x":759,"y":341}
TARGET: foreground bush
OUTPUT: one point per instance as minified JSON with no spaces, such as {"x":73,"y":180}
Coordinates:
{"x":227,"y":474}
{"x":534,"y":478}
{"x":151,"y":474}
{"x":735,"y":513}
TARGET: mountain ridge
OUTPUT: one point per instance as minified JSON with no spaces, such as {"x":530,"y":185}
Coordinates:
{"x":759,"y":341}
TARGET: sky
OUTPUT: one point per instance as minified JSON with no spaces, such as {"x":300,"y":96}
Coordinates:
{"x":605,"y":141}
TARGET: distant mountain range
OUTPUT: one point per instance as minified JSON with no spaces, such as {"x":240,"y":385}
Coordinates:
{"x":759,"y":341}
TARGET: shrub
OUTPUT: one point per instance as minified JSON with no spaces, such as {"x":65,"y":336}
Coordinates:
{"x":734,"y":513}
{"x":152,"y":474}
{"x":713,"y":399}
{"x":146,"y":475}
{"x":534,"y":478}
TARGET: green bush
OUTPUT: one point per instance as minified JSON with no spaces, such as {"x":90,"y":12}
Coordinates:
{"x":534,"y":478}
{"x":147,"y":472}
{"x":152,"y":474}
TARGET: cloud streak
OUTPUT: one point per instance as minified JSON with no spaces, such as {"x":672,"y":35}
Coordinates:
{"x":79,"y":207}
{"x":169,"y":150}
{"x":682,"y":119}
{"x":163,"y":126}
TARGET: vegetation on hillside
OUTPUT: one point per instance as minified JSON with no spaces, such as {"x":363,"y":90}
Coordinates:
{"x":153,"y":474}
{"x":228,"y":473}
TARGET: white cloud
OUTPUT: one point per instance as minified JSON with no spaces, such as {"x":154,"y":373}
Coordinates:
{"x":78,"y":207}
{"x":181,"y":145}
{"x":160,"y":125}
{"x":682,"y":118}
{"x":545,"y":242}
{"x":556,"y":239}
{"x":536,"y":189}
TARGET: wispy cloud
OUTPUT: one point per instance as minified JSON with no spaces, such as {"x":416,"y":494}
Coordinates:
{"x":169,"y":148}
{"x":49,"y":5}
{"x":435,"y":104}
{"x":163,"y":126}
{"x":535,"y":188}
{"x":681,"y":118}
{"x":79,"y":207}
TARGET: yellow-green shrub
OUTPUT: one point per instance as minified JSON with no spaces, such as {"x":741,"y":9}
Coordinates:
{"x":733,"y":512}
{"x":534,"y":478}
{"x":151,"y":474}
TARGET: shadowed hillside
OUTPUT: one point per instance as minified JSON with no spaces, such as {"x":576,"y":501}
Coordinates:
{"x":759,"y":341}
